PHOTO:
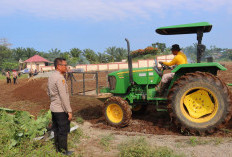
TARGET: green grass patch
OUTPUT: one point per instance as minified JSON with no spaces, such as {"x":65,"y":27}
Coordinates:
{"x":2,"y":77}
{"x":74,"y":138}
{"x":106,"y":140}
{"x":139,"y":147}
{"x":23,"y":76}
{"x":218,"y":141}
{"x":72,"y":125}
{"x":79,"y":120}
{"x":226,"y":131}
{"x":193,"y":141}
{"x":30,"y":149}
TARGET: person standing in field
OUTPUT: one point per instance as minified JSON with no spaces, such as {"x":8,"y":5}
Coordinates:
{"x":60,"y":106}
{"x":15,"y":76}
{"x":31,"y":73}
{"x":8,"y":79}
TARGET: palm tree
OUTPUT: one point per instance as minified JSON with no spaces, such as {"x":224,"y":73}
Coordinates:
{"x":90,"y":55}
{"x":19,"y":53}
{"x":117,"y":54}
{"x":75,"y":52}
{"x":29,"y":52}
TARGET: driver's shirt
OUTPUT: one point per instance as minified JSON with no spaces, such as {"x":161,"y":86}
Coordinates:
{"x":180,"y":58}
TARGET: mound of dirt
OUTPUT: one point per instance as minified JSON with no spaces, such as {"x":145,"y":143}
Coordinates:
{"x":226,"y":76}
{"x":33,"y":90}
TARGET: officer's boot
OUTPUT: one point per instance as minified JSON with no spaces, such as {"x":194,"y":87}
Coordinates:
{"x":63,"y":145}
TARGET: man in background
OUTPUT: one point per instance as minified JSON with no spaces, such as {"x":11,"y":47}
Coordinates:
{"x":15,"y":76}
{"x":60,"y":106}
{"x":8,"y":79}
{"x":31,"y":73}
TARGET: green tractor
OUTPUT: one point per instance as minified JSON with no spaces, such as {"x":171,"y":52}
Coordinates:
{"x":196,"y":99}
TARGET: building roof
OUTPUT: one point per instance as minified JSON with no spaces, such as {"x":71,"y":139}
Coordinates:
{"x":36,"y":58}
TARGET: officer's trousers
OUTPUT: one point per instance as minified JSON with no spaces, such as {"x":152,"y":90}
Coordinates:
{"x":61,"y":128}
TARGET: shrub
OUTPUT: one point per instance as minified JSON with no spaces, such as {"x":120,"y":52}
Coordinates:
{"x":148,"y":50}
{"x":21,"y":125}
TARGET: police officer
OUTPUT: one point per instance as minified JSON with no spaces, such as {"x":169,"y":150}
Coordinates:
{"x":15,"y":76}
{"x":8,"y":79}
{"x":60,"y":106}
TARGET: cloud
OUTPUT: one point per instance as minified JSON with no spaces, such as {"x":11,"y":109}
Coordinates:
{"x":108,"y":9}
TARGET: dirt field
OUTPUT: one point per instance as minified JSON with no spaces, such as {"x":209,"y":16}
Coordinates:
{"x":31,"y":96}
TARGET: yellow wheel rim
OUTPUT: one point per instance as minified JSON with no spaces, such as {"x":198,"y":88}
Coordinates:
{"x":137,"y":108}
{"x":199,"y":105}
{"x":114,"y":113}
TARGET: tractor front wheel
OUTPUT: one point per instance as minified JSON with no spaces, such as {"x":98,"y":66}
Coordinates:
{"x":117,"y":112}
{"x":200,"y":103}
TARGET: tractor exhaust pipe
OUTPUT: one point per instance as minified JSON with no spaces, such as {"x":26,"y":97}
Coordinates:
{"x":129,"y":62}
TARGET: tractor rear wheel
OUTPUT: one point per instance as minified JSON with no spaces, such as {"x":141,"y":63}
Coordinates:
{"x":117,"y":112}
{"x":200,"y":103}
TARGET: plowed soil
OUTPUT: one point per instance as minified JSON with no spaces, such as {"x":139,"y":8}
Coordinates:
{"x":30,"y":95}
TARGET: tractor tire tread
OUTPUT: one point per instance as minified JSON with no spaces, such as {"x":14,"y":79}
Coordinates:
{"x":124,"y":106}
{"x":213,"y":80}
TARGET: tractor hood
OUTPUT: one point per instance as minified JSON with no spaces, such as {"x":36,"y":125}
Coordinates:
{"x":119,"y":80}
{"x":185,"y":28}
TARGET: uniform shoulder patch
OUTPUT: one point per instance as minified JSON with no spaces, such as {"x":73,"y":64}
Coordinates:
{"x":63,"y":81}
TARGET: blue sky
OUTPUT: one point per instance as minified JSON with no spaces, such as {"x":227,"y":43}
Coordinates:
{"x":98,"y":24}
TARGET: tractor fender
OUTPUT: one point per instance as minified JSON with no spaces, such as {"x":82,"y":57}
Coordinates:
{"x":211,"y":67}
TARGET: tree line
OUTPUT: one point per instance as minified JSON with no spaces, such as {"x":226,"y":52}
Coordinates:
{"x":9,"y":57}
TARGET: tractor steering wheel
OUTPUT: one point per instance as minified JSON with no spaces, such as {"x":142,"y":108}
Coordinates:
{"x":158,"y":71}
{"x":165,"y":66}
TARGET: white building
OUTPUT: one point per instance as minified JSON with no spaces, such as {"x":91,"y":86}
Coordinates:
{"x":36,"y":62}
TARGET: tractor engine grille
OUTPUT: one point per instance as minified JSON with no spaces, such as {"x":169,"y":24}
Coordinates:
{"x":112,"y":82}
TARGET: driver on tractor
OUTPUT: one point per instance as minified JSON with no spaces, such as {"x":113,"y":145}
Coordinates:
{"x":180,"y":58}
